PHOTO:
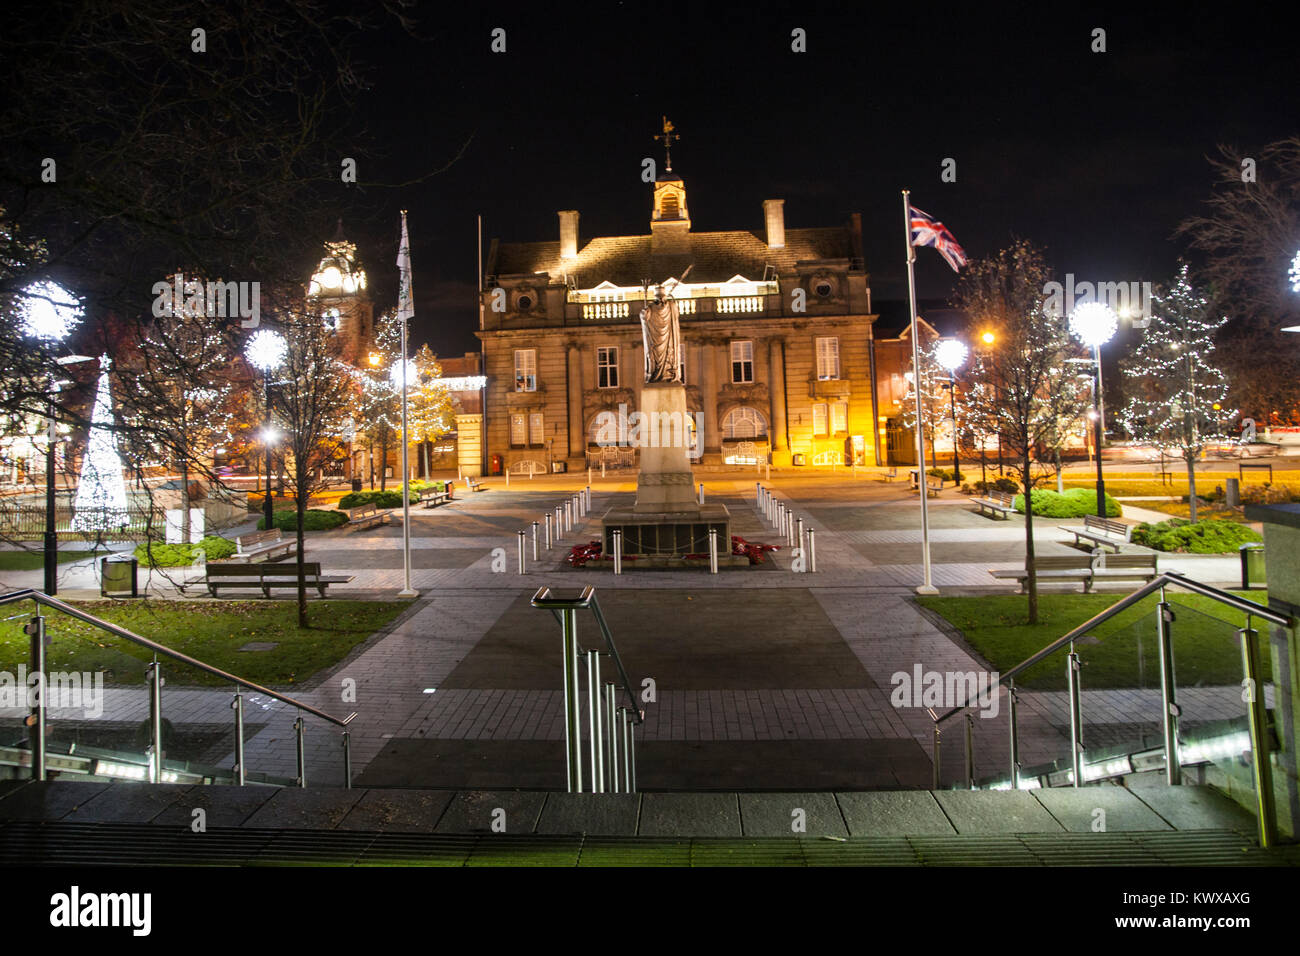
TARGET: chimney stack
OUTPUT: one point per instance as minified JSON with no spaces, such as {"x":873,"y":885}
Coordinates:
{"x":774,"y":214}
{"x":568,"y":233}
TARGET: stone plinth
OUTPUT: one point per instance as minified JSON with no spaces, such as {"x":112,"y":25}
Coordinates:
{"x":664,"y":482}
{"x":667,"y":537}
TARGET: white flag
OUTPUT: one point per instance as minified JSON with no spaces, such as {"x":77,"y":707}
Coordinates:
{"x":405,"y":301}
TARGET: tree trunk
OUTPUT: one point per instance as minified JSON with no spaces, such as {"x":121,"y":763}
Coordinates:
{"x":1191,"y":485}
{"x":300,"y":471}
{"x":1031,"y":582}
{"x":185,"y":501}
{"x":383,"y":463}
{"x":370,"y":459}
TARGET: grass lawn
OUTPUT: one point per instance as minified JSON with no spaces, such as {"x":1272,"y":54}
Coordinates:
{"x":211,"y":631}
{"x":1205,"y":649}
{"x":1204,"y":512}
{"x":1123,"y":484}
{"x":35,"y":560}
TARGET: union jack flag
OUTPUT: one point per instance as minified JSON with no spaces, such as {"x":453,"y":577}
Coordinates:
{"x":930,"y":232}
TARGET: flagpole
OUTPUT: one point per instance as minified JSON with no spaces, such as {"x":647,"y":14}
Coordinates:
{"x":404,"y":258}
{"x":927,"y":587}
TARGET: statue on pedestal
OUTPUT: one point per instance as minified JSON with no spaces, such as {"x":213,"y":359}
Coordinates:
{"x":662,"y":335}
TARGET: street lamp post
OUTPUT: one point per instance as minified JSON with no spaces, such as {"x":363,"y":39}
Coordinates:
{"x":266,"y":350}
{"x":1094,"y":324}
{"x":951,"y":354}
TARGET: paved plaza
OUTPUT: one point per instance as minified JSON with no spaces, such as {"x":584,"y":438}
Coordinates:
{"x":764,"y":678}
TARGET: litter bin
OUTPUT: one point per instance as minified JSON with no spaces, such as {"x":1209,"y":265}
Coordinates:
{"x":356,"y":484}
{"x":117,"y":576}
{"x":1252,"y":565}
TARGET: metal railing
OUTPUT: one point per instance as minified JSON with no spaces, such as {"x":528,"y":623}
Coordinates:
{"x":1170,"y":712}
{"x":156,"y":772}
{"x":611,"y":734}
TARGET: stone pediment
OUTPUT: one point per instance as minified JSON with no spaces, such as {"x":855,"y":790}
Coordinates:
{"x":733,"y":393}
{"x":606,"y":399}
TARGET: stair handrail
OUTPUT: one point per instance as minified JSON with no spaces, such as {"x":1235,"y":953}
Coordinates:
{"x":41,"y":598}
{"x":588,"y":600}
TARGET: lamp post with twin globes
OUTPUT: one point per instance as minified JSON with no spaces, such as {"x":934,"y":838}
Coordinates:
{"x":1094,"y":324}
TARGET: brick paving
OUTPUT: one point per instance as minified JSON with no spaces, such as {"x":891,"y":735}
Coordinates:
{"x":428,"y":680}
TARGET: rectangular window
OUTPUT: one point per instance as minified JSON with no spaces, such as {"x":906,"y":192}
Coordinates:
{"x":536,"y":429}
{"x":828,"y":358}
{"x":742,"y":362}
{"x":525,"y":370}
{"x":607,"y":367}
{"x":819,"y":418}
{"x":518,"y":430}
{"x":839,"y":417}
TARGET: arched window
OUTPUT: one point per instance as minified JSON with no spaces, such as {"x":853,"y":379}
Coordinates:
{"x":744,"y":422}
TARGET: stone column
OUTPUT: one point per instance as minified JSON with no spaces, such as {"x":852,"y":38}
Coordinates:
{"x":577,"y":445}
{"x":776,"y":393}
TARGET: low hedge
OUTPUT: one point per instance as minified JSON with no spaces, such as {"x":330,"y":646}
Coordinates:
{"x":1072,"y":503}
{"x":214,"y":547}
{"x":380,"y":499}
{"x":315,"y":519}
{"x":1204,"y":537}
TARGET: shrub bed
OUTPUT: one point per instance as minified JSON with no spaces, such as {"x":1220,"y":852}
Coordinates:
{"x":1073,"y":503}
{"x":1204,"y":537}
{"x":214,"y":548}
{"x":316,"y":519}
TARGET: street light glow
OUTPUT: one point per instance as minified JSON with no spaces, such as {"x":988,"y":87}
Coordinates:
{"x":988,"y":338}
{"x":412,"y":375}
{"x":266,"y":350}
{"x":1094,"y":323}
{"x":951,"y":354}
{"x":50,"y":312}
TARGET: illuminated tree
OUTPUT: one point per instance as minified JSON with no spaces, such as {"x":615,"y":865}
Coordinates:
{"x":101,"y":493}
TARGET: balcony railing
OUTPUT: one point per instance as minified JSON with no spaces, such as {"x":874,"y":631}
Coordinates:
{"x":739,"y":303}
{"x":605,"y":310}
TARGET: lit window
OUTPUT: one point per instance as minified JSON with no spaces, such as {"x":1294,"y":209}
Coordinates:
{"x":828,"y":358}
{"x":839,"y":417}
{"x":332,"y":318}
{"x":819,"y":418}
{"x":536,"y":429}
{"x":525,"y":370}
{"x":742,"y":362}
{"x":743,"y":422}
{"x":607,"y":367}
{"x":518,"y":430}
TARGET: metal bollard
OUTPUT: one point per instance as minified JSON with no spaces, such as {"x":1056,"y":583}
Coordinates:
{"x":594,"y":721}
{"x":602,"y":469}
{"x":611,"y":715}
{"x":534,"y":542}
{"x":36,"y":720}
{"x":588,"y":492}
{"x":568,"y":516}
{"x":617,"y":535}
{"x":789,"y":528}
{"x":768,"y":476}
{"x":559,"y":512}
{"x":627,"y":750}
{"x":799,"y":536}
{"x":579,"y":506}
{"x":758,"y":496}
{"x":298,"y":729}
{"x":1072,"y":666}
{"x":700,"y":498}
{"x":713,"y":550}
{"x":589,"y":477}
{"x":155,"y":722}
{"x":572,"y":727}
{"x":507,"y":479}
{"x":238,"y":706}
{"x":522,"y":536}
{"x":812,"y":551}
{"x":548,"y":531}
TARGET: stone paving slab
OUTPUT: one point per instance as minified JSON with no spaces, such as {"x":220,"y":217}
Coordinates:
{"x":893,"y":813}
{"x":293,"y":808}
{"x":690,"y":814}
{"x":222,"y":806}
{"x":476,"y":811}
{"x":600,"y":814}
{"x":398,"y":811}
{"x":774,"y":814}
{"x":1076,"y":809}
{"x":131,"y":803}
{"x":994,"y":811}
{"x":1197,"y":808}
{"x":48,"y":801}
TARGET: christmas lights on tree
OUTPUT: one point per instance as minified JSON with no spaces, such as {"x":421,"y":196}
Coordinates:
{"x":1178,"y":396}
{"x":101,"y":492}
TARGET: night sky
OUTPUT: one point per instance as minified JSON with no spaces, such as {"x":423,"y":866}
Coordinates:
{"x":1096,"y":156}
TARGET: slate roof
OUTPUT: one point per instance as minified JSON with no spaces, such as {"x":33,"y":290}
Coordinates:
{"x":717,"y":257}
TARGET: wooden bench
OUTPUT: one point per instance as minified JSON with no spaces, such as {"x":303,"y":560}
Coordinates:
{"x":271,"y":545}
{"x":890,"y":475}
{"x":430,"y":497}
{"x":263,"y":577}
{"x":366,"y":515}
{"x":475,"y":485}
{"x":996,"y":503}
{"x":1101,"y":531}
{"x":1054,"y":567}
{"x":1125,"y":567}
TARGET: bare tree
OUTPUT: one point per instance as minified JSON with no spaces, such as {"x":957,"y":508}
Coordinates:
{"x":312,"y":397}
{"x":1249,"y":237}
{"x":1021,"y":385}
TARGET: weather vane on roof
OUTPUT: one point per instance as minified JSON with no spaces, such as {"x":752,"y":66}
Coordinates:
{"x":668,"y":136}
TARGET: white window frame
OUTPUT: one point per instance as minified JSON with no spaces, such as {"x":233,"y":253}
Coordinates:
{"x":742,"y":355}
{"x":536,"y":429}
{"x":607,"y":366}
{"x":839,"y":418}
{"x":820,"y":419}
{"x":525,"y":370}
{"x":518,"y":430}
{"x":828,"y":357}
{"x":746,"y":414}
